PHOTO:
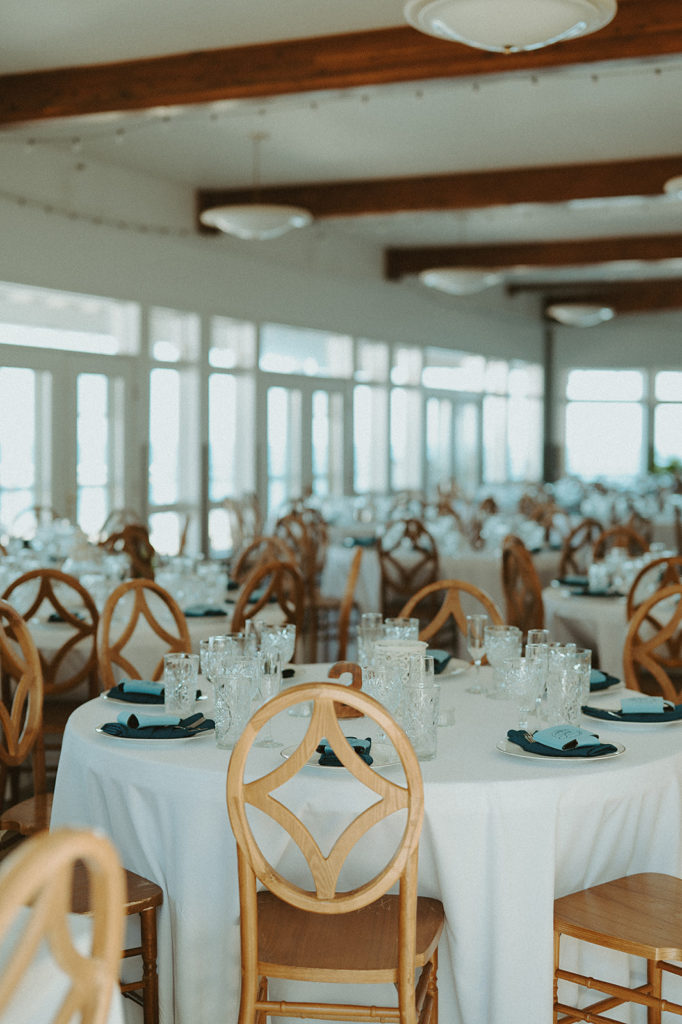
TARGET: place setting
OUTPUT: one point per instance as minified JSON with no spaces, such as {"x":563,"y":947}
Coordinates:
{"x":637,"y":712}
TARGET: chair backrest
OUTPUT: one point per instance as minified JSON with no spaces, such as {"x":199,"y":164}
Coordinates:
{"x":661,"y":572}
{"x":273,"y":582}
{"x":21,"y":707}
{"x":139,"y":599}
{"x":133,"y":540}
{"x":305,"y":532}
{"x":347,"y":605}
{"x":51,"y":593}
{"x":408,"y":559}
{"x":35,"y":900}
{"x":619,"y":536}
{"x":443,"y":599}
{"x":521,"y":586}
{"x":576,"y":550}
{"x":404,"y":796}
{"x":259,"y":551}
{"x":677,"y":513}
{"x":652,"y":653}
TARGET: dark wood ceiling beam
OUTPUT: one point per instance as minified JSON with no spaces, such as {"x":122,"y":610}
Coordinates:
{"x":625,"y":297}
{"x":463,"y":190}
{"x":403,"y":262}
{"x":641,"y":29}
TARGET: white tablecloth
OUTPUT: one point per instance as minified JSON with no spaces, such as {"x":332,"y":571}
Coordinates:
{"x":502,"y":837}
{"x":482,"y":568}
{"x":595,"y":622}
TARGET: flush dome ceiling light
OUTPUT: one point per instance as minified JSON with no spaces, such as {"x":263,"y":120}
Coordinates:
{"x":509,"y":26}
{"x":466,"y":281}
{"x":673,"y":187}
{"x":580,"y":314}
{"x":255,"y":221}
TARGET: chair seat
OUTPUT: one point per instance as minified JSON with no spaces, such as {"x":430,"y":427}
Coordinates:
{"x":141,"y":893}
{"x":639,"y":914}
{"x":29,"y":816}
{"x":358,"y":946}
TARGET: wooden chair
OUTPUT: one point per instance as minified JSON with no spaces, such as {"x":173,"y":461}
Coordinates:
{"x":447,"y":596}
{"x":619,"y":536}
{"x":521,"y":586}
{"x":677,"y":513}
{"x":35,"y":895}
{"x":661,"y":572}
{"x":638,"y":915}
{"x":305,"y":532}
{"x":133,"y":540}
{"x":21,"y":709}
{"x":652,"y":653}
{"x":70,"y":673}
{"x":577,"y":547}
{"x":140,"y":596}
{"x":258,"y":552}
{"x":273,"y":582}
{"x":408,"y":559}
{"x":361,"y":935}
{"x":347,"y":605}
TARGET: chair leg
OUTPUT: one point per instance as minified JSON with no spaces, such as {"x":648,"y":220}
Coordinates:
{"x":654,"y":978}
{"x":150,"y":978}
{"x":557,"y":939}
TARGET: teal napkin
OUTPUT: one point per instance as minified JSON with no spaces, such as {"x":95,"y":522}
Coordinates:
{"x":573,"y":581}
{"x":145,"y":721}
{"x":601,"y":680}
{"x":328,"y":758}
{"x":360,"y":542}
{"x":197,"y":611}
{"x":440,"y":659}
{"x":181,"y":729}
{"x":140,"y":691}
{"x":672,"y":713}
{"x":525,"y":740}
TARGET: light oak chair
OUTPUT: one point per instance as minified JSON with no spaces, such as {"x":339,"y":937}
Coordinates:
{"x":142,"y":600}
{"x":521,"y":586}
{"x":576,"y":550}
{"x":304,"y":531}
{"x":652,"y":653}
{"x":661,"y":572}
{"x":270,"y":583}
{"x":325,"y":932}
{"x":619,"y":536}
{"x":638,"y":915}
{"x":347,"y":605}
{"x":447,"y":596}
{"x":69,"y":673}
{"x":133,"y":540}
{"x":260,"y":550}
{"x":408,"y":560}
{"x":35,"y":897}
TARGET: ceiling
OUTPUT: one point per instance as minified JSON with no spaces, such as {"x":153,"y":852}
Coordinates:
{"x":550,"y":164}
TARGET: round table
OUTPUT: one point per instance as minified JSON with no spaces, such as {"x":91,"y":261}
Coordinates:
{"x":502,"y":837}
{"x":598,"y":623}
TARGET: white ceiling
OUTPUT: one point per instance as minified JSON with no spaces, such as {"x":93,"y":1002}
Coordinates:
{"x":591,"y":113}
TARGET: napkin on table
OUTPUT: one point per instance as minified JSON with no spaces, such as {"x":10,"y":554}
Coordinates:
{"x":174,"y":728}
{"x":672,"y":713}
{"x":525,"y":740}
{"x":140,"y":691}
{"x":328,"y":758}
{"x":197,"y":611}
{"x":440,"y":659}
{"x":601,"y":680}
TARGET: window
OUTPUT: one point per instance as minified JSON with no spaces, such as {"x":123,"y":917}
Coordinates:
{"x":311,"y":353}
{"x":605,"y":406}
{"x":21,"y":456}
{"x":668,"y":418}
{"x":370,"y":439}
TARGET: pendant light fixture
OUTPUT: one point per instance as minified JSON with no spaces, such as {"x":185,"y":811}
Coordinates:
{"x":460,"y":281}
{"x":509,"y":26}
{"x":255,"y":221}
{"x":580,"y":314}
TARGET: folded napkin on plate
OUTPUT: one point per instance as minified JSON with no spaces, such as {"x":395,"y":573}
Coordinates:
{"x":328,"y":758}
{"x":601,"y":680}
{"x":671,"y":713}
{"x":584,"y":592}
{"x":140,"y":691}
{"x":360,"y":542}
{"x":56,"y":617}
{"x":440,"y":659}
{"x":573,"y":581}
{"x":197,"y":611}
{"x":174,"y":728}
{"x":526,"y":740}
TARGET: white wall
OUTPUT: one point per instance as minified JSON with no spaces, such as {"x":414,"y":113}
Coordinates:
{"x":646,"y":342}
{"x":106,"y":231}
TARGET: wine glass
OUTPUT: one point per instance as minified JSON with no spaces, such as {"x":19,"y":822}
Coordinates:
{"x":269,"y":684}
{"x":476,"y":647}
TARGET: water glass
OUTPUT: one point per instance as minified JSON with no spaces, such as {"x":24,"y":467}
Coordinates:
{"x":537,"y":656}
{"x":370,"y":629}
{"x":501,"y":642}
{"x":420,"y":711}
{"x":564,"y":687}
{"x":392,"y":660}
{"x":476,"y":647}
{"x":269,"y":684}
{"x":521,"y":684}
{"x":235,"y":686}
{"x":537,"y":636}
{"x":280,"y":640}
{"x":402,"y":628}
{"x":180,"y":676}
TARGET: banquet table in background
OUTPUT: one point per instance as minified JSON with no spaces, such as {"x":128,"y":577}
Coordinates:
{"x":502,"y":837}
{"x":482,"y":568}
{"x":598,"y":623}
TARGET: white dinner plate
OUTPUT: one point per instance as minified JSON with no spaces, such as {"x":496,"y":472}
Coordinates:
{"x":383,"y":757}
{"x":454,"y":667}
{"x":514,"y":750}
{"x":620,"y":723}
{"x":140,"y":703}
{"x":167,"y":739}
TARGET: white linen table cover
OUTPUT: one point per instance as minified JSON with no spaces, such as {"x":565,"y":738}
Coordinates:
{"x":598,"y":623}
{"x":502,"y":837}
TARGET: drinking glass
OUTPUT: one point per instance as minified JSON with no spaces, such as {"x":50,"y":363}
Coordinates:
{"x":537,"y":636}
{"x":402,"y":628}
{"x":564,"y":686}
{"x":280,"y":639}
{"x":180,"y":674}
{"x":420,"y":712}
{"x":476,"y":647}
{"x":537,"y":656}
{"x":370,"y":629}
{"x":235,"y":685}
{"x":501,"y":642}
{"x":269,"y":683}
{"x":521,"y":685}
